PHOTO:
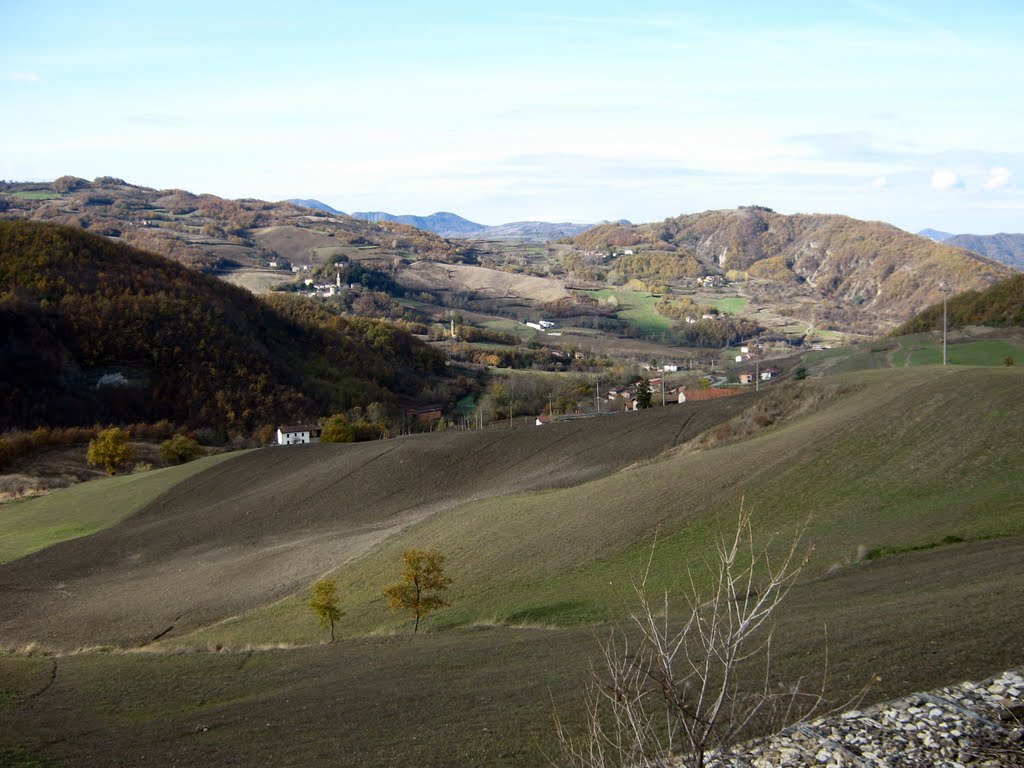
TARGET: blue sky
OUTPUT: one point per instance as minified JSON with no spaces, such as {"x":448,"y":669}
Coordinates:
{"x":907,"y":112}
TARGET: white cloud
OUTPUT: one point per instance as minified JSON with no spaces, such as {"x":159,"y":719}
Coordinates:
{"x":997,"y":178}
{"x":24,"y":77}
{"x":945,"y":179}
{"x":880,"y":183}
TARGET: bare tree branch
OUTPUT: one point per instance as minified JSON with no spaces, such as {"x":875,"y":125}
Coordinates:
{"x":676,"y":695}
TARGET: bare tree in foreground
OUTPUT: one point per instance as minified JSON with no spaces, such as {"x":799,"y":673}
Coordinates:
{"x":671,"y":695}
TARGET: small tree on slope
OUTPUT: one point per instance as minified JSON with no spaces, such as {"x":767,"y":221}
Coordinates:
{"x":422,"y":577}
{"x":325,"y":603}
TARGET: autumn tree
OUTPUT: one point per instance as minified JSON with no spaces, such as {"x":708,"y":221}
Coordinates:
{"x":324,"y":603}
{"x":180,"y":449}
{"x":110,"y":449}
{"x":422,"y":578}
{"x":337,"y":430}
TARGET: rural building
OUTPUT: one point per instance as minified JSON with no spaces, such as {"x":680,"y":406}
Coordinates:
{"x":670,"y":367}
{"x":767,"y":374}
{"x":299,"y":433}
{"x":746,"y":377}
{"x":427,"y":414}
{"x":541,"y":325}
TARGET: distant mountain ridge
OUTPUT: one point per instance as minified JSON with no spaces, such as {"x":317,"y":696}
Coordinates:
{"x":935,"y":234}
{"x":1003,"y":247}
{"x":441,"y":223}
{"x":533,"y":231}
{"x":454,"y":226}
{"x":451,"y":225}
{"x":316,"y":205}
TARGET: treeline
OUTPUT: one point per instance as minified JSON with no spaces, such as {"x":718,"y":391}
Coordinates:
{"x":95,"y":331}
{"x":722,"y":331}
{"x":168,"y":221}
{"x":1000,"y":306}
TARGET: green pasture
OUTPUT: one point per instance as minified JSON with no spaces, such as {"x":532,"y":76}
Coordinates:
{"x":486,"y":695}
{"x":732,"y":305}
{"x":524,"y":332}
{"x":33,"y":524}
{"x":37,"y":195}
{"x":917,"y":350}
{"x":639,"y":308}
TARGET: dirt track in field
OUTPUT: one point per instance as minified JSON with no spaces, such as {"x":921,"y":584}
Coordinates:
{"x":256,"y":529}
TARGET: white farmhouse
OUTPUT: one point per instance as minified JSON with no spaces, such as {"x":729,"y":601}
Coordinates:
{"x":300,"y":433}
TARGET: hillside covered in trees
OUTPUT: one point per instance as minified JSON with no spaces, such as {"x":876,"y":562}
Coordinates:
{"x":864,"y":272}
{"x":206,"y":231}
{"x":1000,"y":306}
{"x":96,"y":331}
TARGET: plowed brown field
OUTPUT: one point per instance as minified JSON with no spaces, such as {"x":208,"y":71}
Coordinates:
{"x":260,"y":527}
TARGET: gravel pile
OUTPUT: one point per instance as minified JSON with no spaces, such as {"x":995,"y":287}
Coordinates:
{"x":971,"y":725}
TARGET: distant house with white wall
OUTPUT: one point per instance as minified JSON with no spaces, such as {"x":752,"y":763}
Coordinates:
{"x":299,"y":433}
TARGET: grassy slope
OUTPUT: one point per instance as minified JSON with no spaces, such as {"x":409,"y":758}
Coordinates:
{"x":30,"y":525}
{"x":910,"y":458}
{"x":484,"y":697}
{"x":904,"y":459}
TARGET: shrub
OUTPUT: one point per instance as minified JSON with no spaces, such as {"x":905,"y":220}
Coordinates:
{"x":110,"y":449}
{"x":180,"y":449}
{"x":337,"y":430}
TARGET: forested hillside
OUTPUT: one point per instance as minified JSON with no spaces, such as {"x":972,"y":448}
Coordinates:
{"x":206,"y":231}
{"x":92,"y":330}
{"x":1000,"y":306}
{"x":859,"y":272}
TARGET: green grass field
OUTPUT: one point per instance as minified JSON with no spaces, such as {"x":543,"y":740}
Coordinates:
{"x":639,"y":308}
{"x":524,"y":332}
{"x":39,"y":195}
{"x":917,"y":350}
{"x":732,"y":306}
{"x":30,"y":525}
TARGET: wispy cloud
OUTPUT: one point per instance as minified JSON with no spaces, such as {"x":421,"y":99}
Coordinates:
{"x":997,"y":178}
{"x":943,"y":178}
{"x":879,"y":183}
{"x":23,"y":77}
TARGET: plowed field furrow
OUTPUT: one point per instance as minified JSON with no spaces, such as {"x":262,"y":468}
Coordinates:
{"x":259,"y":527}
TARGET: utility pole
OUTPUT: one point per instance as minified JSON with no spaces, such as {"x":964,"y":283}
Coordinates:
{"x":944,"y":287}
{"x":757,"y":366}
